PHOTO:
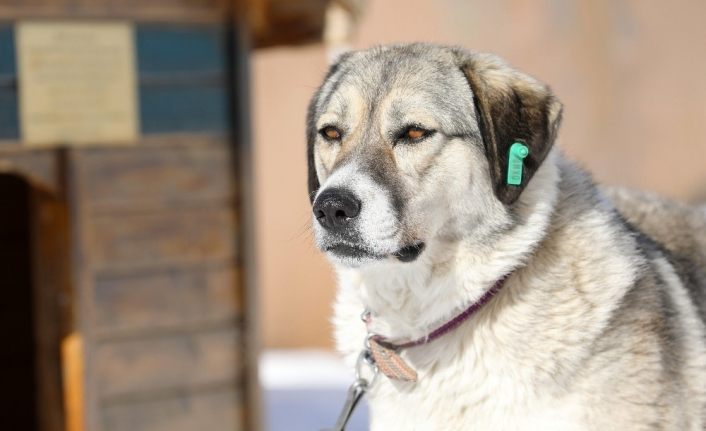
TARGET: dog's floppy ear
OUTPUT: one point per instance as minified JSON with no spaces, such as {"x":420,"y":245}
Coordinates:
{"x":313,"y":179}
{"x":510,"y":107}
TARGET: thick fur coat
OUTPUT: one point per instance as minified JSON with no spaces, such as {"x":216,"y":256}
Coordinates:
{"x":600,"y":324}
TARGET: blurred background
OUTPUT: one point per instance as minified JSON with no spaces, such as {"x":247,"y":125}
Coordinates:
{"x":156,"y":256}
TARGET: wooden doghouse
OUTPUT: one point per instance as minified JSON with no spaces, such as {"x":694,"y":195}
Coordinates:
{"x":123,"y":268}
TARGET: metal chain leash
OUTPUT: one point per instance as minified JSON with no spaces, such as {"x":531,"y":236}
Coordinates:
{"x":360,"y":386}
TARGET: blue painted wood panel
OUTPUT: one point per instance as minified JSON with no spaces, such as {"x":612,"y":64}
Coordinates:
{"x":183,"y":109}
{"x":8,"y":93}
{"x":7,"y":51}
{"x":182,"y":79}
{"x":9,"y":123}
{"x":167,"y":49}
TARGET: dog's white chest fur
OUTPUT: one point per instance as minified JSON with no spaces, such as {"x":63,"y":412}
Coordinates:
{"x":467,"y":381}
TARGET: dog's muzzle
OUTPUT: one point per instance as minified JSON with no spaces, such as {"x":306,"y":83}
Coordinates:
{"x":336,"y":210}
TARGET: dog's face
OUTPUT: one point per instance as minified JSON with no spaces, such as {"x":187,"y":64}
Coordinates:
{"x":408,"y":145}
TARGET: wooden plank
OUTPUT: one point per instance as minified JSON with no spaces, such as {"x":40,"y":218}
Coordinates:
{"x":73,"y":382}
{"x":163,"y":239}
{"x":83,"y":281}
{"x":9,"y":120}
{"x":244,"y":161}
{"x":8,"y":66}
{"x":290,"y":22}
{"x":208,"y":411}
{"x":166,"y":299}
{"x":194,"y":108}
{"x":164,"y":140}
{"x":168,"y":49}
{"x":184,"y":108}
{"x":154,"y":10}
{"x":158,"y":176}
{"x":130,"y":367}
{"x":10,"y":10}
{"x":156,"y":6}
{"x":254,"y":12}
{"x":53,"y":315}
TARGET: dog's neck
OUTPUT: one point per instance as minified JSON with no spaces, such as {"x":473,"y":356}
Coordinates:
{"x":408,"y":300}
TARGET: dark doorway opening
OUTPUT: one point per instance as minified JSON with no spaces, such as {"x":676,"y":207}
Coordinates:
{"x":18,"y":394}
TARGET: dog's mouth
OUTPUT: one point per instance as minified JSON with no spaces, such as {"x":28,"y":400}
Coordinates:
{"x":351,"y":252}
{"x":409,"y":253}
{"x":348,"y":251}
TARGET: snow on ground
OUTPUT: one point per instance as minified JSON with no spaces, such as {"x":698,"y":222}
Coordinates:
{"x":304,"y":390}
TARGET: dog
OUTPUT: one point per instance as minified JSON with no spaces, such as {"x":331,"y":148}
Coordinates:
{"x":541,"y":303}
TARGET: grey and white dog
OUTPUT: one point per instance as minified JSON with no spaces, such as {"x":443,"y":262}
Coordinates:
{"x":599,"y":323}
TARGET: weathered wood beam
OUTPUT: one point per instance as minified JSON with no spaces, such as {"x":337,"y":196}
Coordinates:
{"x":286,"y":22}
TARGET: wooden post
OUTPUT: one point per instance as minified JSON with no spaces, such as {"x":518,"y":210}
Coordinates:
{"x":52,"y":292}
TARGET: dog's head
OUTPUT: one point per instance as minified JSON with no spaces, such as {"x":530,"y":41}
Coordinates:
{"x":408,"y":145}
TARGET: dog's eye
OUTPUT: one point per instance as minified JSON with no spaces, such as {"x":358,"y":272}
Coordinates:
{"x":330,"y":133}
{"x":414,"y":134}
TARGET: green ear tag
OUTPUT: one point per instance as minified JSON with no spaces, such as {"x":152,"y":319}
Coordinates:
{"x":518,"y":152}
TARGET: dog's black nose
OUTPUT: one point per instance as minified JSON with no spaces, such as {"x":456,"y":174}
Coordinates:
{"x":335,"y":208}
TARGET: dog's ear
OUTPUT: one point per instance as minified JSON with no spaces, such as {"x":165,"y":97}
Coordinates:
{"x":311,"y":132}
{"x":510,"y":107}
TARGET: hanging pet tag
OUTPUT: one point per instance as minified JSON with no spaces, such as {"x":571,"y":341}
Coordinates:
{"x":390,"y":363}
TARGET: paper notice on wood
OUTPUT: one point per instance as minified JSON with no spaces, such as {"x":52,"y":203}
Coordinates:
{"x":77,"y":83}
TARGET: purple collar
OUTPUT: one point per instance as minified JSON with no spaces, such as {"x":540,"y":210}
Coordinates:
{"x":451,"y":324}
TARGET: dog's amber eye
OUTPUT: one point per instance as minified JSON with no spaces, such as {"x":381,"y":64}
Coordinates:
{"x":330,"y":133}
{"x":414,"y":133}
